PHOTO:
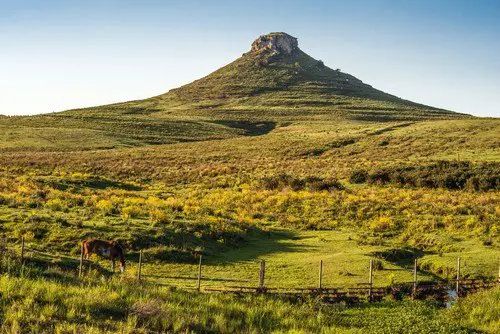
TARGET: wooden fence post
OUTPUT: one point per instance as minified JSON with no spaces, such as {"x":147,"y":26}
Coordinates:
{"x":140,"y":266}
{"x":262,"y":274}
{"x":22,"y":250}
{"x":414,"y":291}
{"x":199,"y":276}
{"x":457,"y":288}
{"x":80,"y":268}
{"x":370,"y":281}
{"x":320,"y":283}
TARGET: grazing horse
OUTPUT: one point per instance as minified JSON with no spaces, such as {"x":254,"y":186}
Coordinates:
{"x":107,"y":249}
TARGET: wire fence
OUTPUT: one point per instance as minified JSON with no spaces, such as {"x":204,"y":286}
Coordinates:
{"x":438,"y":289}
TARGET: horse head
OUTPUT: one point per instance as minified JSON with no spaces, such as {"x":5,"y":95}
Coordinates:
{"x":119,"y":249}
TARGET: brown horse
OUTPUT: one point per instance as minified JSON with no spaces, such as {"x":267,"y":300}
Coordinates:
{"x":107,"y":249}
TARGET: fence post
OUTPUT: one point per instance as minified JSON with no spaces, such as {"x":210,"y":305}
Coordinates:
{"x":498,"y":278}
{"x":457,"y":288}
{"x":320,"y":283}
{"x":80,"y":268}
{"x":22,"y":250}
{"x":414,"y":291}
{"x":370,"y":281}
{"x":199,"y":276}
{"x":262,"y":274}
{"x":140,"y":266}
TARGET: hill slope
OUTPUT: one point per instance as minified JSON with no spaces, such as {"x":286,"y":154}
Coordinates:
{"x":276,"y":63}
{"x":274,"y":83}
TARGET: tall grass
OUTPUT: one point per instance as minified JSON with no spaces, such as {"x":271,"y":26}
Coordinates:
{"x":38,"y":305}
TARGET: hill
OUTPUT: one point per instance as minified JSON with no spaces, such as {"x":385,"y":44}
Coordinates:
{"x":274,"y":83}
{"x":275,"y":64}
{"x":276,"y":80}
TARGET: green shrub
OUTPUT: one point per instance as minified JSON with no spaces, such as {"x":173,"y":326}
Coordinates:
{"x":106,"y":207}
{"x":132,"y":211}
{"x":443,"y":174}
{"x":56,"y":204}
{"x":358,"y":176}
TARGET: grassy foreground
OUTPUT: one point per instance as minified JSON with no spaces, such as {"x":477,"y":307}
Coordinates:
{"x":46,"y":305}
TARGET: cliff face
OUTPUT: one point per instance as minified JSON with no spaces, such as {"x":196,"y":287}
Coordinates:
{"x":269,"y":47}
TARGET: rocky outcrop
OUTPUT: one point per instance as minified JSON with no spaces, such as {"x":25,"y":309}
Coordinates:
{"x":269,"y":47}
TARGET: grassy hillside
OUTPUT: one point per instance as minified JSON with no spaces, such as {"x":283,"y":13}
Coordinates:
{"x":220,"y":194}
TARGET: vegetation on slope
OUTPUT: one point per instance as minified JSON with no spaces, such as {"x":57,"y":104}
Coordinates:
{"x":444,"y":174}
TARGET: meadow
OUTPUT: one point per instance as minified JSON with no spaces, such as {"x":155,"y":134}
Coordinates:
{"x":291,"y":177}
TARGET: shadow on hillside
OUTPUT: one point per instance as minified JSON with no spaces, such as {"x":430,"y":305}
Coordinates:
{"x":277,"y":241}
{"x":250,"y":128}
{"x":95,"y":182}
{"x":404,"y":259}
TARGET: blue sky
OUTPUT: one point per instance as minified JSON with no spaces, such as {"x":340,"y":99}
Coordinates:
{"x":56,"y":55}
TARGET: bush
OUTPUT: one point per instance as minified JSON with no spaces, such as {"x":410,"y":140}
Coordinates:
{"x":106,"y":207}
{"x":160,"y":216}
{"x":56,"y":204}
{"x":382,"y":224}
{"x":131,"y":211}
{"x":444,"y":174}
{"x":318,"y":184}
{"x":358,"y":176}
{"x":378,"y":265}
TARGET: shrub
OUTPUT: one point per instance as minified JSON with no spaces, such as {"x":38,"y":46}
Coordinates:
{"x":131,"y":211}
{"x":56,"y":204}
{"x":378,"y":265}
{"x":174,"y":204}
{"x":319,"y":184}
{"x":382,"y":224}
{"x":275,"y":181}
{"x":160,"y":216}
{"x":358,"y":176}
{"x":106,"y":207}
{"x":443,"y":174}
